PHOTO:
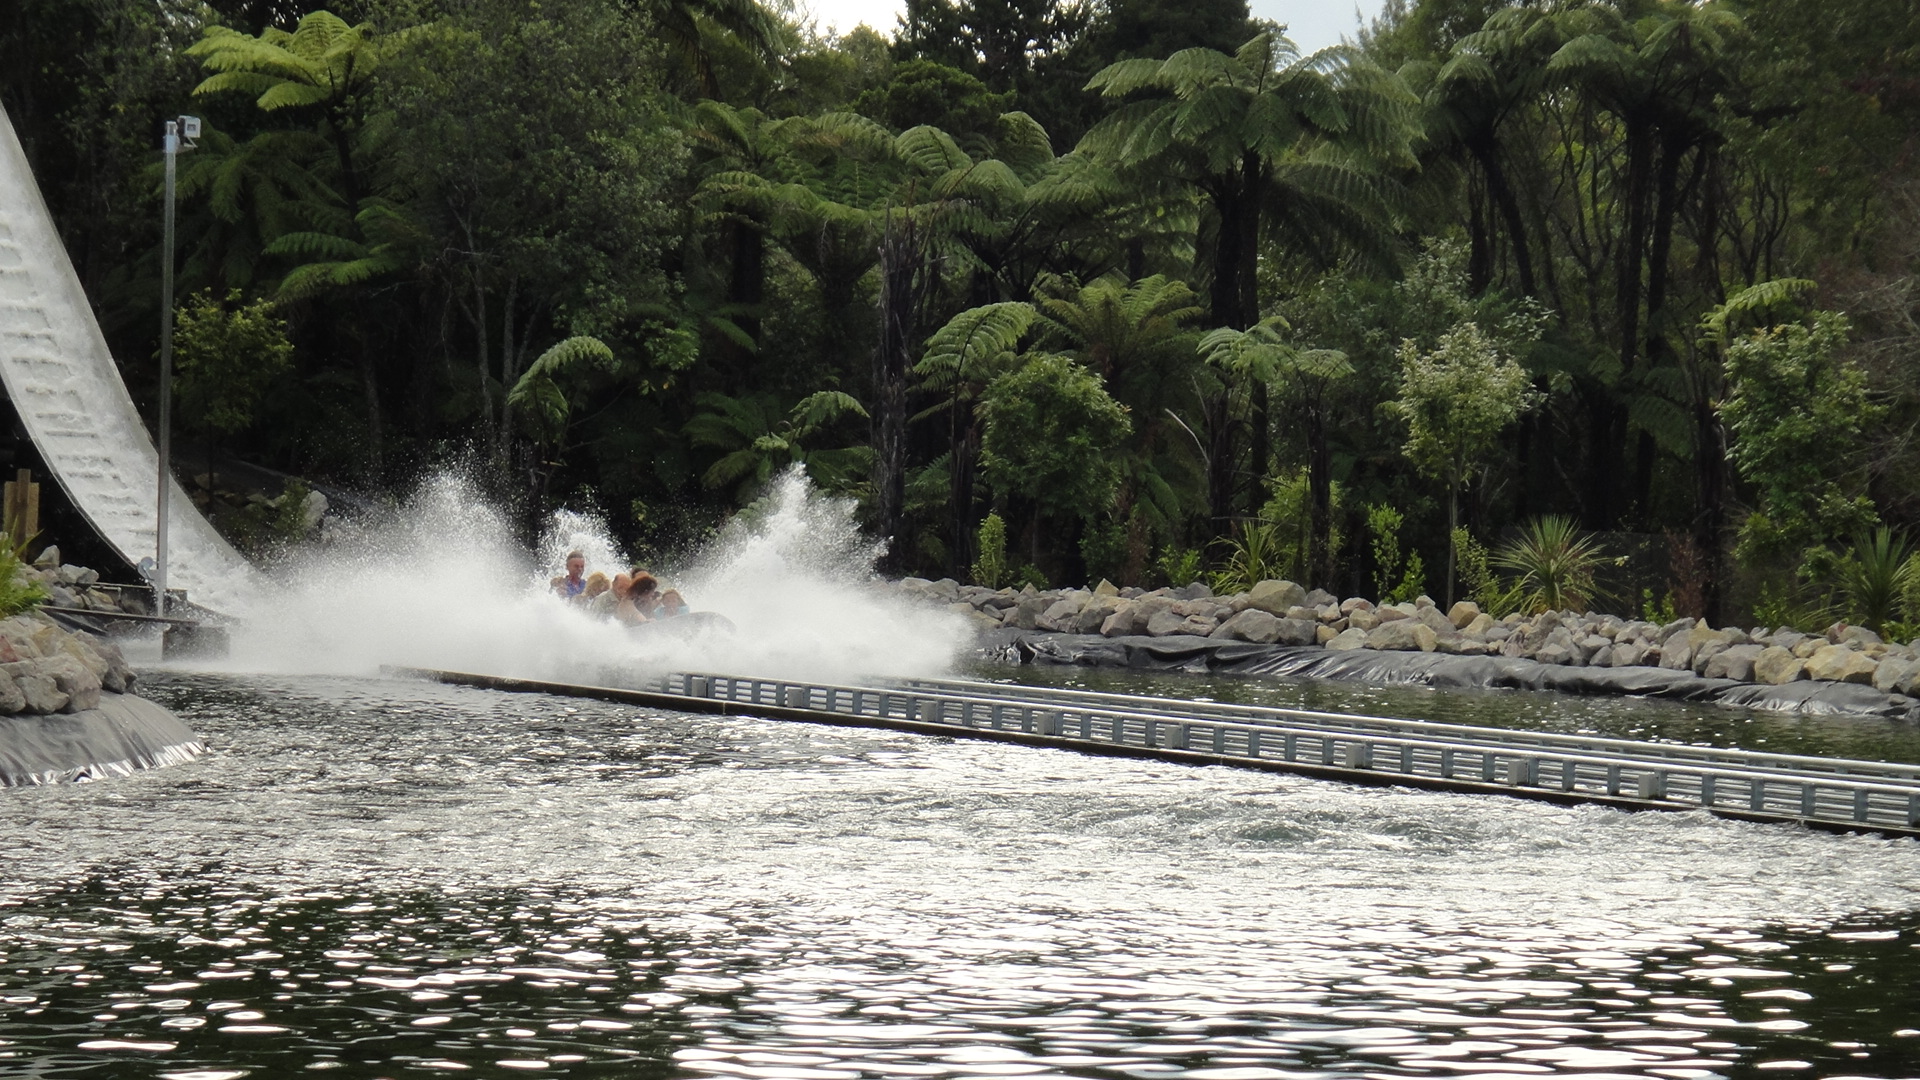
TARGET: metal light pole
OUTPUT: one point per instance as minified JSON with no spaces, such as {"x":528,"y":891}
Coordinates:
{"x":172,"y":146}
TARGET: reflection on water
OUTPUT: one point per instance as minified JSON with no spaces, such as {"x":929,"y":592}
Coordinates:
{"x":1867,"y":738}
{"x":383,"y":879}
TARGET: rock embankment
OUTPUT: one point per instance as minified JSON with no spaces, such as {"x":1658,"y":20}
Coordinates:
{"x":1283,"y":613}
{"x":46,"y":669}
{"x":71,"y":586}
{"x":67,"y":712}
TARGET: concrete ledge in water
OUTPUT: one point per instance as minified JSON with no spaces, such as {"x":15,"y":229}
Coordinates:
{"x":124,"y":734}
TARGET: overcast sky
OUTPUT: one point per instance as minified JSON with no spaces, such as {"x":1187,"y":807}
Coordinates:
{"x":1311,"y":23}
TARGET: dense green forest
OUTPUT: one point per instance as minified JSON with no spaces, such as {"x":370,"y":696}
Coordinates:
{"x":1136,"y":277}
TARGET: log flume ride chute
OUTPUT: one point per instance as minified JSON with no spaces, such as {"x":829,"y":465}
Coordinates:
{"x":63,"y":381}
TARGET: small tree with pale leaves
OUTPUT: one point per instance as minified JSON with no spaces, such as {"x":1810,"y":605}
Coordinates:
{"x":1456,"y":399}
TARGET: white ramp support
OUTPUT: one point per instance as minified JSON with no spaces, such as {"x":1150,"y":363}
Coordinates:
{"x":63,"y":381}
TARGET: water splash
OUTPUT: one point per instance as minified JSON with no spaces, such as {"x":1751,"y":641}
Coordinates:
{"x":443,"y":585}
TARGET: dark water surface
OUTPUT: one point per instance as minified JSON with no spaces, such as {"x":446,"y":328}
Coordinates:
{"x":1868,"y":738}
{"x":380,"y":879}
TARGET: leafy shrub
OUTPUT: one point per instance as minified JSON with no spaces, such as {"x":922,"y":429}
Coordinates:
{"x":1290,"y":511}
{"x":1483,"y":586}
{"x":1795,"y":410}
{"x":1556,"y":564}
{"x":1662,"y":611}
{"x":1395,"y":580}
{"x":20,"y":591}
{"x":228,"y":356}
{"x":1104,"y":548}
{"x":1029,"y":574}
{"x":1178,"y":566}
{"x":1878,"y":579}
{"x":991,"y":542}
{"x":1254,"y":553}
{"x":1050,"y":433}
{"x":269,"y":528}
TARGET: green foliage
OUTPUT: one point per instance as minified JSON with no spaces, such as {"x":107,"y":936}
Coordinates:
{"x":990,"y":569}
{"x":1050,"y":433}
{"x":1263,"y":133}
{"x":1290,"y":509}
{"x":758,"y":437}
{"x":323,"y":63}
{"x":1660,"y":612}
{"x":973,"y":348}
{"x":452,"y":199}
{"x":270,"y":528}
{"x":20,"y":590}
{"x":1456,"y":399}
{"x":539,"y":398}
{"x":1263,"y":354}
{"x":1252,"y":554}
{"x":228,"y":356}
{"x":1556,"y":565}
{"x":1029,"y":574}
{"x":1103,"y":547}
{"x":1879,"y":579}
{"x":924,"y":92}
{"x":1396,"y":578}
{"x":1796,"y":410}
{"x":1484,"y":587}
{"x":1178,"y":565}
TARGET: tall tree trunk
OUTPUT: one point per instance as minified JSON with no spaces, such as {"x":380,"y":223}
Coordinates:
{"x":963,"y":455}
{"x":1235,"y":302}
{"x":1219,"y":412}
{"x":1479,"y":244}
{"x":502,"y":432}
{"x":747,"y":288}
{"x":1252,"y":179}
{"x":1610,"y":438}
{"x":1500,"y":194}
{"x":370,"y":385}
{"x":902,"y":255}
{"x":1710,"y":497}
{"x":1627,"y":285}
{"x":1710,"y":442}
{"x":1320,"y":493}
{"x":1657,"y":349}
{"x":1453,"y":526}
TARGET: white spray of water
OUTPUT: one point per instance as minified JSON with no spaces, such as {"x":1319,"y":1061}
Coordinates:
{"x":443,"y":586}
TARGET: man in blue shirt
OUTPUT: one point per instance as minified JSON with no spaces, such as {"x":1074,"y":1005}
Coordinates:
{"x":573,"y":584}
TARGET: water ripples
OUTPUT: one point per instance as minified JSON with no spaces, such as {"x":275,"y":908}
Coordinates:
{"x":376,"y":879}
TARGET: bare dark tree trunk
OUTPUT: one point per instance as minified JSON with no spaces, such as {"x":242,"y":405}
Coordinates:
{"x":1320,"y":493}
{"x":1500,"y":196}
{"x":964,"y":449}
{"x":1610,"y":429}
{"x":746,"y":287}
{"x":902,"y":284}
{"x":1234,"y":302}
{"x":503,"y":428}
{"x":1218,"y":410}
{"x":1710,"y":438}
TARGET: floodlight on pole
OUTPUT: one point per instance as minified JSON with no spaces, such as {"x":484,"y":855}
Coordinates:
{"x":187,"y":128}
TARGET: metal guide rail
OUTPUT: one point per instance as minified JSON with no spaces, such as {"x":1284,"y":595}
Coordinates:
{"x":1507,"y":737}
{"x":1844,"y":795}
{"x":1841,"y":796}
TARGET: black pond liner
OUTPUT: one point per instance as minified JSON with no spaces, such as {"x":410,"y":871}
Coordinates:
{"x":124,"y":734}
{"x":1443,"y":670}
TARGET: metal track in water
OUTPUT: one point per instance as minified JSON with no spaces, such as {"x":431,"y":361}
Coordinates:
{"x":1825,"y":793}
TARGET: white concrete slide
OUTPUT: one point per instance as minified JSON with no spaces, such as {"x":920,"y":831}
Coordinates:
{"x":62,"y":379}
